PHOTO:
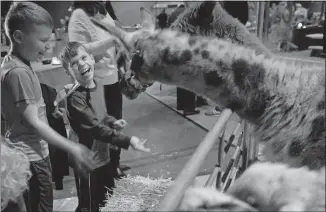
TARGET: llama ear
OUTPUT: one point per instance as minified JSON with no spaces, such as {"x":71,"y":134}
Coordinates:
{"x":203,"y":13}
{"x":146,"y":19}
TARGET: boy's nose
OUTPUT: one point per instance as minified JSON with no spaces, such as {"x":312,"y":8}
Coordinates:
{"x":47,"y":46}
{"x":81,"y":64}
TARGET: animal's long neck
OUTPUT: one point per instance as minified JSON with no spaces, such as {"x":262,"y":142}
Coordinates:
{"x":229,"y":74}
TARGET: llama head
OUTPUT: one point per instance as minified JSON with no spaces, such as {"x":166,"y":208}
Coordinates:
{"x":127,"y":42}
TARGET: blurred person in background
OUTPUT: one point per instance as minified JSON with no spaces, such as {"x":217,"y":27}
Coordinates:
{"x":186,"y":100}
{"x":162,"y":20}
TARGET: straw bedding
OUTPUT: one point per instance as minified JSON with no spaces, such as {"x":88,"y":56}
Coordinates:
{"x":137,"y":193}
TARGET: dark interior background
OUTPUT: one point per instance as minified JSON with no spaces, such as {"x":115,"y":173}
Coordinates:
{"x":127,"y":12}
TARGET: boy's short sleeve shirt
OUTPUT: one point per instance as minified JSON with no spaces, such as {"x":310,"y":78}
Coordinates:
{"x":20,"y":85}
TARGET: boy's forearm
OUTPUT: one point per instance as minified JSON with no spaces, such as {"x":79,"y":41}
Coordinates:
{"x":109,"y":120}
{"x":54,"y":138}
{"x":106,"y":134}
{"x":121,"y":141}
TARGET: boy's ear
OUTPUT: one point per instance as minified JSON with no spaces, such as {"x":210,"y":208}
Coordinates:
{"x":71,"y":75}
{"x":18,"y":36}
{"x":147,"y":19}
{"x":92,"y":56}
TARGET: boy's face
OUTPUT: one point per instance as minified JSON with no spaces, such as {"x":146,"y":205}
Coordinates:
{"x":82,"y":66}
{"x":34,"y":42}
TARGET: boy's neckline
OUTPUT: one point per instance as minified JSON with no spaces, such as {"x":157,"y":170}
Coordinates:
{"x":89,"y":89}
{"x":15,"y":54}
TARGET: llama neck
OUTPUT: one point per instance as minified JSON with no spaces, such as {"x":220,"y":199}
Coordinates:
{"x":230,"y":75}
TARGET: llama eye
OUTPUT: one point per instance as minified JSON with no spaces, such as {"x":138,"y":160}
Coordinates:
{"x":252,"y":201}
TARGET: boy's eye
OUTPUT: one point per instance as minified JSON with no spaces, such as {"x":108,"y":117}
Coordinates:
{"x":84,"y":58}
{"x":73,"y":65}
{"x":44,"y":40}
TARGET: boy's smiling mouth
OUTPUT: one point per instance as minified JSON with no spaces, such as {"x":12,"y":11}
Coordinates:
{"x":86,"y":71}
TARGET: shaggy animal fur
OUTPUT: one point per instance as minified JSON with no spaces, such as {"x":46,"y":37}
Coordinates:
{"x":276,"y":187}
{"x":286,"y":101}
{"x":15,"y":174}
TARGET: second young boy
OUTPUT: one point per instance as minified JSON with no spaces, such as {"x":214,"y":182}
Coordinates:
{"x":95,"y":129}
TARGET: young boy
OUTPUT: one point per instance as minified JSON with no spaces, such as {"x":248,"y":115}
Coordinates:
{"x":29,"y":27}
{"x":88,"y":118}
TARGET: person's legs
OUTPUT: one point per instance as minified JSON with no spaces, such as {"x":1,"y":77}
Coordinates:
{"x":186,"y":101}
{"x":102,"y":183}
{"x":113,"y":101}
{"x":39,"y":198}
{"x":83,"y":192}
{"x":201,"y":101}
{"x":58,"y":157}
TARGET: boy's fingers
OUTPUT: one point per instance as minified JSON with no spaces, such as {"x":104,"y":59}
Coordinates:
{"x":143,"y":149}
{"x":62,"y":110}
{"x":147,"y":150}
{"x":59,"y":113}
{"x":143,"y":141}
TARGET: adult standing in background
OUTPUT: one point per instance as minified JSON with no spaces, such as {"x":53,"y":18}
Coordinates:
{"x":99,"y":43}
{"x":186,"y":100}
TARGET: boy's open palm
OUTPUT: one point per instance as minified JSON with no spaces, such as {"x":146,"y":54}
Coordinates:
{"x":139,"y":144}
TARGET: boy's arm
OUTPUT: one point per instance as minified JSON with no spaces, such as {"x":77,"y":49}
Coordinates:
{"x":20,"y":87}
{"x":83,"y":114}
{"x":30,"y":115}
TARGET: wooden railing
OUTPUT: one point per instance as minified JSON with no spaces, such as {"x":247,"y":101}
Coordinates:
{"x":244,"y":152}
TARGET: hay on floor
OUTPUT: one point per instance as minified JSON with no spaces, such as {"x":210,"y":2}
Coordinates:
{"x":137,"y":193}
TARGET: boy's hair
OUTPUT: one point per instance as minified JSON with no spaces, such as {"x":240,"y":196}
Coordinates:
{"x":68,"y":52}
{"x":22,"y":15}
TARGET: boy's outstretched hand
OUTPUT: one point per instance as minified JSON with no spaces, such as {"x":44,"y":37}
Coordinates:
{"x":83,"y":158}
{"x":139,"y":144}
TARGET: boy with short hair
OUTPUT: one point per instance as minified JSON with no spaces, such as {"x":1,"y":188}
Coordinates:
{"x":29,"y":28}
{"x":95,"y":129}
